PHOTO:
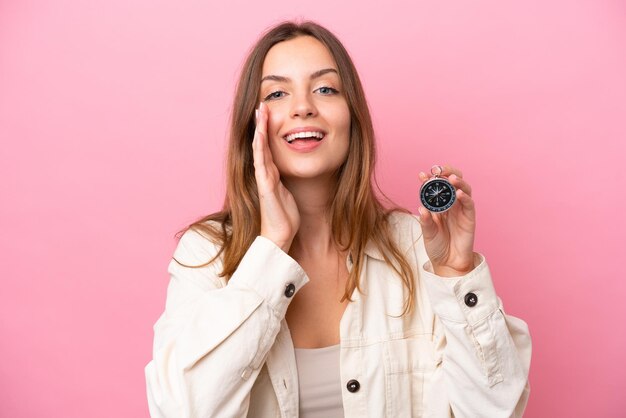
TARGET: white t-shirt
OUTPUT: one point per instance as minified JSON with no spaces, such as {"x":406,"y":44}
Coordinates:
{"x":319,"y":382}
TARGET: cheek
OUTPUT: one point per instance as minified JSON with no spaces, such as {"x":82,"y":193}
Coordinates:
{"x":343,"y":120}
{"x":273,"y":123}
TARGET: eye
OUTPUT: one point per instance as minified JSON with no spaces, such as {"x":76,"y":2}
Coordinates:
{"x":327,"y":90}
{"x":275,"y":95}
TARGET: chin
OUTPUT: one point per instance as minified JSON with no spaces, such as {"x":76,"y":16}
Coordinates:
{"x":303,"y":172}
{"x":300,"y":174}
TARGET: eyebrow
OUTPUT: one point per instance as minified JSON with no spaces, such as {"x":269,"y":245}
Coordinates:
{"x":315,"y":75}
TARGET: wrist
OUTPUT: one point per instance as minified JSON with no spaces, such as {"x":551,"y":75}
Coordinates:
{"x":283,"y":244}
{"x":456,"y":270}
{"x":285,"y":247}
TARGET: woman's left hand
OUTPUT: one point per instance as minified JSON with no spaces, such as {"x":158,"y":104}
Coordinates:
{"x":449,"y":236}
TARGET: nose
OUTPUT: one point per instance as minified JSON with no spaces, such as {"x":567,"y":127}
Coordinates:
{"x":302,"y":106}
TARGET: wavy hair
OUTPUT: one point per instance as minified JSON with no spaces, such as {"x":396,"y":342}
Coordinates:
{"x":355,"y":212}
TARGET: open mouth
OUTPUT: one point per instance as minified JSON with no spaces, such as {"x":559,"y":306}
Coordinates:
{"x":305,"y":136}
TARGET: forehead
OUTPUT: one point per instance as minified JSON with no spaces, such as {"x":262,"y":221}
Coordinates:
{"x":302,"y":54}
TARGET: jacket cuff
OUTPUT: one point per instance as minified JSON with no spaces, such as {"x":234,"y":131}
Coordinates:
{"x":469,"y":298}
{"x":270,"y":272}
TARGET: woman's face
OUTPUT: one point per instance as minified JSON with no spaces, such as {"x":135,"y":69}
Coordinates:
{"x":304,"y":95}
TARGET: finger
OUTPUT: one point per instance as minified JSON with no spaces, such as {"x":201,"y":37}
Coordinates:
{"x":422,"y":176}
{"x":257,"y":146}
{"x":448,"y":170}
{"x":263,"y":120}
{"x":429,"y":228}
{"x":467,"y":203}
{"x":460,"y":184}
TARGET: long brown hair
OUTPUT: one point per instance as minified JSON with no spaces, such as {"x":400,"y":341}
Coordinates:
{"x":356,"y":214}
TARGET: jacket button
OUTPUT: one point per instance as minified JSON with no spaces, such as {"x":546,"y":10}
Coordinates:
{"x":290,"y":290}
{"x":471,"y":299}
{"x":353,"y":386}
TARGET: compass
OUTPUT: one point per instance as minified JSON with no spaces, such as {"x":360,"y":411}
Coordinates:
{"x":437,"y":194}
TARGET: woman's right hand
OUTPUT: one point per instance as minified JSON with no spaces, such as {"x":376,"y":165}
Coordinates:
{"x":280,"y":218}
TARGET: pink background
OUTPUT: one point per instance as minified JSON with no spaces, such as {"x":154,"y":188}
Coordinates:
{"x":113,"y":124}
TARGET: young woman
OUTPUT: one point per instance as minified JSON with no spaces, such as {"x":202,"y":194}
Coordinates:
{"x":305,"y":296}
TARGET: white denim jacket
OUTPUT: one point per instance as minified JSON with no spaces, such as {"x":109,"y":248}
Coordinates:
{"x":223,"y":349}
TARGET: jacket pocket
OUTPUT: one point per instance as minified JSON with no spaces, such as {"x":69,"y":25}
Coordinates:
{"x":409,"y":367}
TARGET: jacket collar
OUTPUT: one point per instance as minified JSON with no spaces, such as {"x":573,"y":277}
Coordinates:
{"x":371,"y":249}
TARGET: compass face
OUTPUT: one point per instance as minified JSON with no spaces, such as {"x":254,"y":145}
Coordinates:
{"x":437,"y":195}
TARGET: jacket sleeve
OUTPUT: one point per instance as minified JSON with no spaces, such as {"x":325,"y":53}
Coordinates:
{"x":213,"y":338}
{"x":486,"y":353}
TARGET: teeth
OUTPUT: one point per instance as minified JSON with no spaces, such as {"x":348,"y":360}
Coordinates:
{"x":300,"y":135}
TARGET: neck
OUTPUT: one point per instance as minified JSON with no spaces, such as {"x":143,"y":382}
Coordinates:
{"x":314,"y":237}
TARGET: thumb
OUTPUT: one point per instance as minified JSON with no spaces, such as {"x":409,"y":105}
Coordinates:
{"x":429,"y":228}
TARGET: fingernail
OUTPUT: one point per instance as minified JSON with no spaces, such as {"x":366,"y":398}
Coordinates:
{"x":256,"y":114}
{"x":261,"y":105}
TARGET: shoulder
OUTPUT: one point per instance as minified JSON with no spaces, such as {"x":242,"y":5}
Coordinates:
{"x":193,"y":267}
{"x":405,"y":228}
{"x":196,"y":246}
